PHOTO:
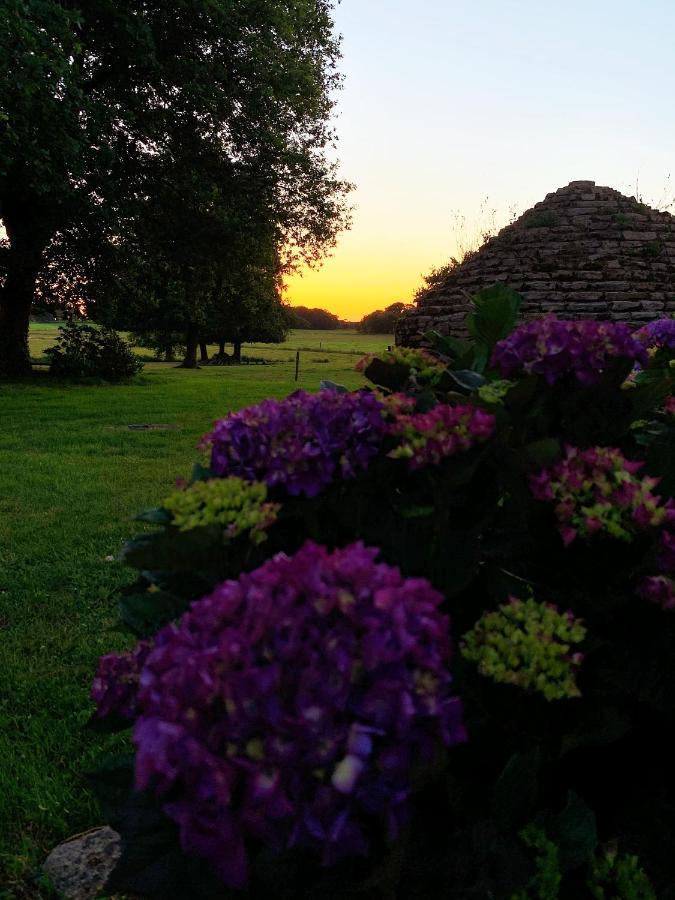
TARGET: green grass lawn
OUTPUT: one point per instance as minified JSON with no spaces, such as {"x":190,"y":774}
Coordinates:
{"x":72,"y":476}
{"x":316,"y":343}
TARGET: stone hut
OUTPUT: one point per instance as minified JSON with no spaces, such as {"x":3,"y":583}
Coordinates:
{"x":583,"y":252}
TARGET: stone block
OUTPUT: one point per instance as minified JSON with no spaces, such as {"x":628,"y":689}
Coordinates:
{"x":588,"y":296}
{"x":652,"y":306}
{"x":588,"y":308}
{"x":640,"y":236}
{"x":623,"y":296}
{"x":616,"y":285}
{"x":624,"y":305}
{"x":80,"y":867}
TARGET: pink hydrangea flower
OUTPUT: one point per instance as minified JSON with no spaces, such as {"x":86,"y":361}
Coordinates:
{"x":598,"y":491}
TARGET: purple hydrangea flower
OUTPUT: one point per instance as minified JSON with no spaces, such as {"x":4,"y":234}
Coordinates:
{"x":289,"y":706}
{"x":598,"y":491}
{"x":666,"y":557}
{"x":302,"y":443}
{"x":555,"y":348}
{"x":115,"y":686}
{"x":659,"y":589}
{"x":658,"y":335}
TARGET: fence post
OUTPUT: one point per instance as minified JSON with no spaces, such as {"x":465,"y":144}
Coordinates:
{"x":297,"y":363}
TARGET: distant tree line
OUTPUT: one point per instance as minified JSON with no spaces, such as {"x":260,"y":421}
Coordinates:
{"x":304,"y":317}
{"x":383,"y":321}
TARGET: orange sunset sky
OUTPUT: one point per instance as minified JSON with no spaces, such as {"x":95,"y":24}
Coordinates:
{"x":446,"y":104}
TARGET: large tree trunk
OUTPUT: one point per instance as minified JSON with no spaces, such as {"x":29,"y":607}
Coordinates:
{"x":236,"y":353}
{"x":221,"y":348}
{"x":203,"y":352}
{"x":191,"y":345}
{"x":16,"y":298}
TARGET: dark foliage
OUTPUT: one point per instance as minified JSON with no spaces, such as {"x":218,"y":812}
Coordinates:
{"x":87,"y":351}
{"x":383,"y":321}
{"x":320,"y":319}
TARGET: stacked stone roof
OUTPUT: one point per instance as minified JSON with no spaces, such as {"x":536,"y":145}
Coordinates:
{"x":583,"y":252}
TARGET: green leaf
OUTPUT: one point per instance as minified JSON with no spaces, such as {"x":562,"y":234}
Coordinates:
{"x":447,"y":345}
{"x":543,"y":453}
{"x":200,"y":473}
{"x":522,"y":395}
{"x":574,"y":831}
{"x":515,"y":792}
{"x":172,"y":550}
{"x":467,"y":379}
{"x":415,"y":512}
{"x":388,"y":375}
{"x":145,"y":613}
{"x":495,"y":314}
{"x":481,"y":355}
{"x":649,"y":395}
{"x":156,"y":516}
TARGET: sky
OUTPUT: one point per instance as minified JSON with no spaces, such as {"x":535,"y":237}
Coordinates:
{"x":451,"y":110}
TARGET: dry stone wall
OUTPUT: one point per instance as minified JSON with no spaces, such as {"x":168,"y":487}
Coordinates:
{"x":583,"y":252}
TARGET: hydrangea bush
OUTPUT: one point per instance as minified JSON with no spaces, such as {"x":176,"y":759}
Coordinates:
{"x":413,"y":640}
{"x":288,"y":706}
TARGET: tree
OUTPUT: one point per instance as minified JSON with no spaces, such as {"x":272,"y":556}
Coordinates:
{"x":96,"y":100}
{"x":253,"y":309}
{"x":383,"y":321}
{"x":202,"y":262}
{"x":238,"y":304}
{"x":306,"y":317}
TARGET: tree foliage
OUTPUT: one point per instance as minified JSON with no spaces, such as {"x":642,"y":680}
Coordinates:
{"x":383,"y":321}
{"x":313,"y":317}
{"x":126,"y":128}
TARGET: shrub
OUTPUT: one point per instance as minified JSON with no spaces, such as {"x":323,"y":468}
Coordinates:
{"x":299,"y":719}
{"x":316,"y":660}
{"x":87,"y":351}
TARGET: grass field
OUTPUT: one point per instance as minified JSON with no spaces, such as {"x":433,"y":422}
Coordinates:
{"x":317,"y":343}
{"x":72,"y":475}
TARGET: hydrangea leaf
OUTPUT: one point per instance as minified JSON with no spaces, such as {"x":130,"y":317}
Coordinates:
{"x":156,"y":516}
{"x":392,"y":376}
{"x":495,"y":314}
{"x":515,"y":791}
{"x":326,"y":385}
{"x":145,"y":613}
{"x":468,"y":379}
{"x":574,"y":831}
